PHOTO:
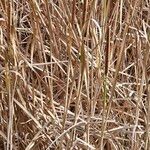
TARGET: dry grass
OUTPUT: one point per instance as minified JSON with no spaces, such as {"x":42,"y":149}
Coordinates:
{"x":74,"y":75}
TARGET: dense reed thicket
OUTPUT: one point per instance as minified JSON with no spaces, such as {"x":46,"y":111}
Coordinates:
{"x":74,"y":74}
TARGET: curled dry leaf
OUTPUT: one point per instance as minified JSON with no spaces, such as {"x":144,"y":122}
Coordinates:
{"x":2,"y":22}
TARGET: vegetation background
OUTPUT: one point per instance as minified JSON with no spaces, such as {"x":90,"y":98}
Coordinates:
{"x":74,"y":74}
